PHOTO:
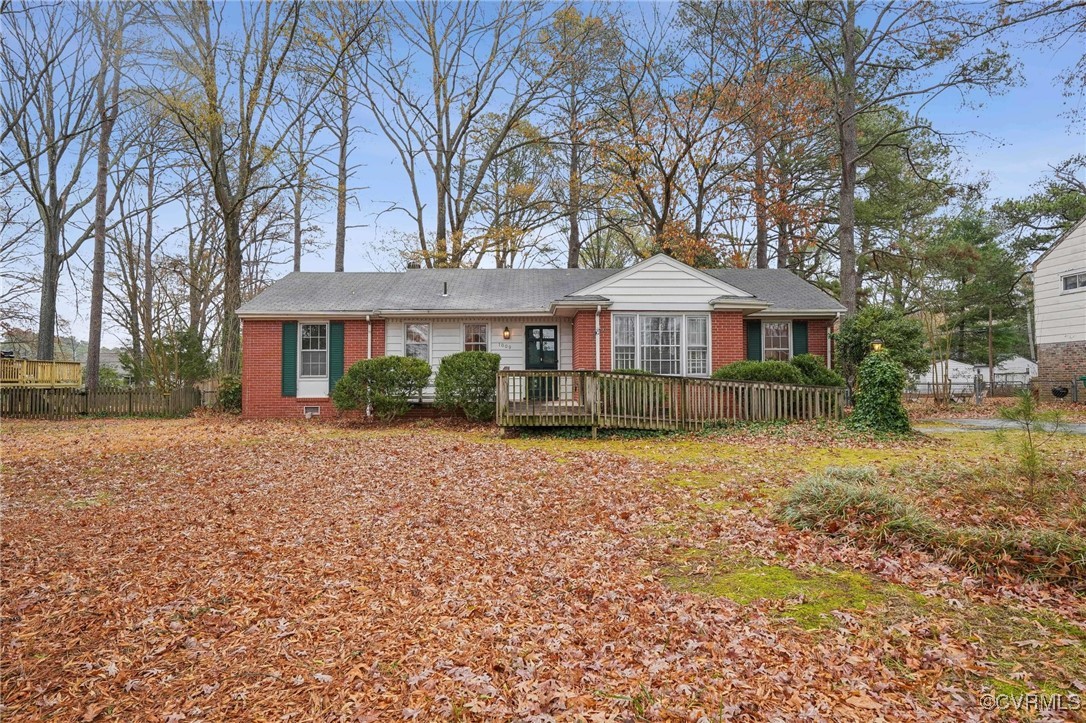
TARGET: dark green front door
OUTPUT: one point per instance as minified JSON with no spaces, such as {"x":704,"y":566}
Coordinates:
{"x":541,"y":352}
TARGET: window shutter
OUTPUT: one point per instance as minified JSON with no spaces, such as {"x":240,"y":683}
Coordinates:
{"x":335,"y":354}
{"x":754,"y":339}
{"x":799,"y":337}
{"x":290,"y":359}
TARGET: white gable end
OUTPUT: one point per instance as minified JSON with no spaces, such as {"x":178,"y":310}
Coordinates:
{"x":661,"y":284}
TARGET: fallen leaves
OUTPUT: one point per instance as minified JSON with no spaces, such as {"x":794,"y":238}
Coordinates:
{"x":263,"y":570}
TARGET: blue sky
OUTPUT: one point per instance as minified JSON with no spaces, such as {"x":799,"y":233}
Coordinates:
{"x":1011,"y":140}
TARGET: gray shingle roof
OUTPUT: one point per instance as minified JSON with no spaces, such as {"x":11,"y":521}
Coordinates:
{"x":490,"y":290}
{"x":780,"y":288}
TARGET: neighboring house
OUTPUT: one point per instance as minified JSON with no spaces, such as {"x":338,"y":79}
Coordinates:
{"x":1016,"y":370}
{"x":960,"y":376}
{"x":662,"y":316}
{"x":953,"y":376}
{"x":1059,"y":302}
{"x":111,"y":359}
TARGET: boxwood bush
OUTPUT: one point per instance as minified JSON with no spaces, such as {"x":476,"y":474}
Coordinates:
{"x":814,"y":371}
{"x":467,"y":381}
{"x":387,"y":385}
{"x":777,"y":372}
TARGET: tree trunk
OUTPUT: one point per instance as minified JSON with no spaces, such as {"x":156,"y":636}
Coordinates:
{"x":573,"y":258}
{"x":231,"y":327}
{"x":760,"y":211}
{"x":107,"y":114}
{"x":846,"y":229}
{"x":341,"y":187}
{"x":50,"y":278}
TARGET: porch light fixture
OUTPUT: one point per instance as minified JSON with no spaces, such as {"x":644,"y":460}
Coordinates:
{"x":876,"y":345}
{"x":506,"y":333}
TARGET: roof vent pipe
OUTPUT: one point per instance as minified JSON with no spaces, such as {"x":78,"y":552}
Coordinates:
{"x":445,"y":289}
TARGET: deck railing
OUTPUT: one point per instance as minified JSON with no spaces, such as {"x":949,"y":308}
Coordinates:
{"x":635,"y":401}
{"x":34,"y":373}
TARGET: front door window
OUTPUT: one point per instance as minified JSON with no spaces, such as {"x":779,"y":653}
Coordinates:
{"x":541,"y":347}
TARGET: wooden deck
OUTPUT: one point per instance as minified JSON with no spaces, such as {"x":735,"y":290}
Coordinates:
{"x":628,"y":401}
{"x":34,"y":373}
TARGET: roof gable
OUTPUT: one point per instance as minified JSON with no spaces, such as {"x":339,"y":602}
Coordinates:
{"x":1063,"y":237}
{"x":660,"y":276}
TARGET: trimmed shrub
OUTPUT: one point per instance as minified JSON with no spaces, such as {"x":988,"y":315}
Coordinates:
{"x":467,"y":381}
{"x":814,"y":371}
{"x":878,"y":405}
{"x":230,"y":393}
{"x":777,"y":372}
{"x":387,"y":385}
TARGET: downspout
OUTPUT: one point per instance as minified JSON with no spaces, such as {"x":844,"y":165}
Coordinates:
{"x":369,"y":338}
{"x":598,"y":307}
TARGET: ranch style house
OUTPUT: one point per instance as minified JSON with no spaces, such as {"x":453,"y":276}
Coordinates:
{"x":660,"y":316}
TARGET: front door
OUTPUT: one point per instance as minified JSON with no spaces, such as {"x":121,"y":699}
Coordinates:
{"x":541,"y":352}
{"x":541,"y":347}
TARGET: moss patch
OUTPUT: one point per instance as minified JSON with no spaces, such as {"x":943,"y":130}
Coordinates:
{"x":809,"y":597}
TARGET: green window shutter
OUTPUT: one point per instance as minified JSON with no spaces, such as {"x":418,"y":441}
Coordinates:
{"x":290,"y":359}
{"x":754,"y":339}
{"x":335,"y":354}
{"x":799,"y":338}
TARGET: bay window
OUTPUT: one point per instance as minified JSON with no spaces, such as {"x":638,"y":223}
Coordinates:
{"x":671,"y":344}
{"x":777,"y":340}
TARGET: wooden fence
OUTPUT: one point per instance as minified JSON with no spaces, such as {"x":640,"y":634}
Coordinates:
{"x":634,"y":401}
{"x":37,"y":403}
{"x":34,"y":373}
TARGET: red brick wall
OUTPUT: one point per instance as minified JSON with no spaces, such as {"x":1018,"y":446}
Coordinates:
{"x":584,"y":340}
{"x":816,"y":337}
{"x":261,"y":368}
{"x":729,"y":340}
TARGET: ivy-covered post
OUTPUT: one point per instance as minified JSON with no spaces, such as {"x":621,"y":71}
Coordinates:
{"x":878,"y":407}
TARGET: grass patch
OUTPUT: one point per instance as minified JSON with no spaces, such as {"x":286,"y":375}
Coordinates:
{"x":853,"y":501}
{"x":809,"y":597}
{"x":102,"y":499}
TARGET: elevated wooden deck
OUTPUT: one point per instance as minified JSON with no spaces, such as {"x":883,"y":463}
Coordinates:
{"x":42,"y":374}
{"x":633,"y":401}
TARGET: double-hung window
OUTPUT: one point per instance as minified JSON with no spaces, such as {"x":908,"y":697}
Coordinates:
{"x":697,"y":345}
{"x":661,"y":343}
{"x":777,"y":340}
{"x":314,"y":350}
{"x":417,"y":341}
{"x":625,"y":341}
{"x":474,"y":337}
{"x":1074,"y":282}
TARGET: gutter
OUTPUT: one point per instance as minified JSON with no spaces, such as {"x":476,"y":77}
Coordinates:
{"x":598,"y":307}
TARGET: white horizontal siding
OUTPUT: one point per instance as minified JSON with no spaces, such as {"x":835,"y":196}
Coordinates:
{"x":1061,"y":316}
{"x":447,"y":337}
{"x":659,"y":286}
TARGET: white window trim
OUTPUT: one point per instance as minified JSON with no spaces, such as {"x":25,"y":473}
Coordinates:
{"x":327,"y":350}
{"x":1068,"y":275}
{"x":429,"y":338}
{"x":777,"y":321}
{"x":683,"y":346}
{"x":464,"y":333}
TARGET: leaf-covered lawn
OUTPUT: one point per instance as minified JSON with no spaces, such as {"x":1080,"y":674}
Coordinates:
{"x":219,"y":570}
